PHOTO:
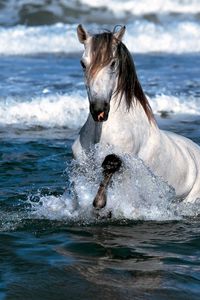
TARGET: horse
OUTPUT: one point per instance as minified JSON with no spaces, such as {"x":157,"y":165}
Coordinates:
{"x":120,"y":116}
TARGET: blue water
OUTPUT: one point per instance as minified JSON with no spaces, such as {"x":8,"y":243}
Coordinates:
{"x":48,"y":257}
{"x":48,"y":250}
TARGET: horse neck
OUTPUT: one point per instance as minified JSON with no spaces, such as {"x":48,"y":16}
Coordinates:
{"x":135,"y":115}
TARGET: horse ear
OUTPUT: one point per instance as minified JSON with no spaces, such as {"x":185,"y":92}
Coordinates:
{"x":119,"y":34}
{"x":82,"y":34}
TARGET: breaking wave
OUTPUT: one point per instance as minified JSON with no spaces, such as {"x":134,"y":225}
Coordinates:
{"x":141,"y":37}
{"x":42,"y":12}
{"x":71,"y":110}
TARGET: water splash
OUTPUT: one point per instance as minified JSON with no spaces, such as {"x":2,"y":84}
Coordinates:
{"x":134,"y":194}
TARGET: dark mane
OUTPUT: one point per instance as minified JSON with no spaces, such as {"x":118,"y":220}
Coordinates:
{"x":128,"y":83}
{"x":101,"y":51}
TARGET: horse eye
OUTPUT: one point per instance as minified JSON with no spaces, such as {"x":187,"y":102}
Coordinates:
{"x":83,"y":65}
{"x":112,"y":64}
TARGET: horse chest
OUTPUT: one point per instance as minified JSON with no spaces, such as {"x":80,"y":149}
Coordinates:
{"x":118,"y":137}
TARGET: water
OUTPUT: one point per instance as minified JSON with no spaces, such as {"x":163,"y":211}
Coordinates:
{"x":52,"y":245}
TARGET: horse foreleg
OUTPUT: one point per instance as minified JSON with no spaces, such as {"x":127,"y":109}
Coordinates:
{"x":110,"y":165}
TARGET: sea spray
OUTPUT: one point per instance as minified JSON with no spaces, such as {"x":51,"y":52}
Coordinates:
{"x":135,"y":193}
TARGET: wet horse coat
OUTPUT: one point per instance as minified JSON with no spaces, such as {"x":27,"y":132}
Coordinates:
{"x":120,"y":116}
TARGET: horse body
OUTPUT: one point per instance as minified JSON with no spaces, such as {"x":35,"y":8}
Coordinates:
{"x":175,"y":158}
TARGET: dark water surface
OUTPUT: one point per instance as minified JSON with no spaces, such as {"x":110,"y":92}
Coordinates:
{"x":45,"y":258}
{"x":142,"y":260}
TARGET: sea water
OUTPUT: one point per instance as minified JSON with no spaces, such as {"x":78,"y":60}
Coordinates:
{"x":53,"y":245}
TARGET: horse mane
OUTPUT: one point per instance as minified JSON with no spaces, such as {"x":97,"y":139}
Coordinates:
{"x":128,"y":83}
{"x":101,"y":50}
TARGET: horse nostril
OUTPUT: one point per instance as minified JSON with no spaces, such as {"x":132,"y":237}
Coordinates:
{"x":101,"y":116}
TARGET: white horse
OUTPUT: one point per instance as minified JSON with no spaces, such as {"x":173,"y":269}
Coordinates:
{"x":121,"y":116}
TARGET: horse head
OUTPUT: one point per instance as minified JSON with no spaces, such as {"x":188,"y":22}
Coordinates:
{"x":100,"y":66}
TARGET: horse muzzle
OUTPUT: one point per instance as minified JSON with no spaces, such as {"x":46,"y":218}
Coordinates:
{"x":100,"y":114}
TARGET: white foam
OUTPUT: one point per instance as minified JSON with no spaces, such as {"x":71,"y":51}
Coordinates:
{"x":135,"y":194}
{"x":173,"y":104}
{"x":141,"y":36}
{"x":41,"y":39}
{"x":47,"y":111}
{"x":12,"y":10}
{"x":120,"y":7}
{"x":173,"y":37}
{"x":71,"y":110}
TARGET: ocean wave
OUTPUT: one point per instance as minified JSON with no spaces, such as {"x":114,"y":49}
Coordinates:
{"x":173,"y":104}
{"x":42,"y":12}
{"x":135,"y":7}
{"x":71,"y":110}
{"x":22,"y":40}
{"x":47,"y":111}
{"x":141,"y":37}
